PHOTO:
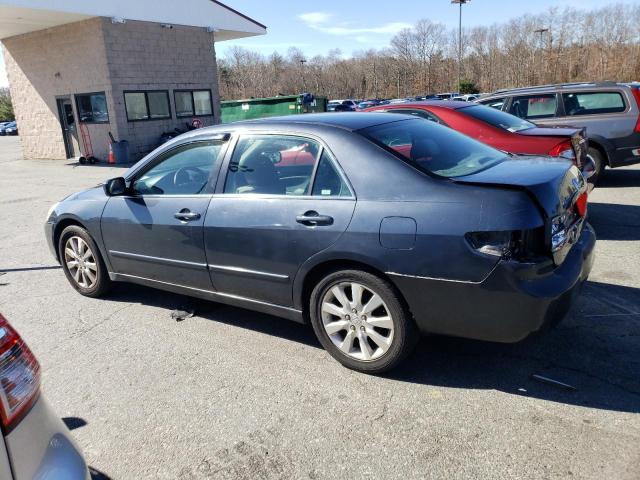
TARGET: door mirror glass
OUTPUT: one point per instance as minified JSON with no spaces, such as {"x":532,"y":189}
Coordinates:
{"x":115,"y":186}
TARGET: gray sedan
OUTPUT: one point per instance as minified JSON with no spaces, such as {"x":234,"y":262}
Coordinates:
{"x":374,"y":228}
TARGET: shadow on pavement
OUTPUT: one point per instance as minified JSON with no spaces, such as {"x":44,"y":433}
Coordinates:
{"x":613,"y":221}
{"x":620,"y":177}
{"x":28,"y":269}
{"x":594,"y":349}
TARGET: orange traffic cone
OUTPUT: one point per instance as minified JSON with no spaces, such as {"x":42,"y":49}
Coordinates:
{"x":111,"y":158}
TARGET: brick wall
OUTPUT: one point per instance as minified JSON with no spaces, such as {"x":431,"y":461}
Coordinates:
{"x":55,"y":62}
{"x":97,"y":55}
{"x":146,"y":56}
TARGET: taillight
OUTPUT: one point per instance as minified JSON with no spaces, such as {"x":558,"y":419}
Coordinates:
{"x":564,"y":150}
{"x":581,"y":204}
{"x":19,"y":377}
{"x":496,"y":244}
{"x":636,"y":95}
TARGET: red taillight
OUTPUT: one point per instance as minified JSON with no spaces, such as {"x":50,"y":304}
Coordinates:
{"x":581,"y":204}
{"x":636,"y":95}
{"x":19,"y":377}
{"x":564,"y":150}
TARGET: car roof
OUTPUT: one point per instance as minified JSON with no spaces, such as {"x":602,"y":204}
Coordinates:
{"x":451,"y":105}
{"x":344,"y":120}
{"x":554,"y":87}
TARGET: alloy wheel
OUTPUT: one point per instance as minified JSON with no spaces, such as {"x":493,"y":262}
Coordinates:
{"x":357,"y":321}
{"x":80,"y":262}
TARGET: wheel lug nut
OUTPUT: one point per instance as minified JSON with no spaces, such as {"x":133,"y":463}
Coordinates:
{"x":362,"y":328}
{"x":354,"y":310}
{"x":353,"y":327}
{"x":364,"y":318}
{"x":347,"y":317}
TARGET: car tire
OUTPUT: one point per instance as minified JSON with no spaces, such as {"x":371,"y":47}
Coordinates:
{"x":82,"y":263}
{"x":341,"y":321}
{"x":599,"y":165}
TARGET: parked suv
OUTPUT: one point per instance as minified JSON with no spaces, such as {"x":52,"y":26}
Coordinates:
{"x":609,"y":111}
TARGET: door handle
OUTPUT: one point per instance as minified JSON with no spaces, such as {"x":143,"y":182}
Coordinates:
{"x":186,"y":215}
{"x":312,"y":219}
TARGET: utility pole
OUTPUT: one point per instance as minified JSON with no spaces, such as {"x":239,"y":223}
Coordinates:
{"x":460,"y":3}
{"x":304,"y":83}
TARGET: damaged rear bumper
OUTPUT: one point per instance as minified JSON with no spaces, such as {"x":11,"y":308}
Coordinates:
{"x":515,"y":300}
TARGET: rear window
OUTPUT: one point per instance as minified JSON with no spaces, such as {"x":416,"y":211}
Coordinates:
{"x":433,"y":148}
{"x":534,"y":106}
{"x":498,"y":119}
{"x":593,"y":103}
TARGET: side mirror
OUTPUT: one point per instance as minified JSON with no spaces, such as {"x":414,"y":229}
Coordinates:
{"x":115,"y":186}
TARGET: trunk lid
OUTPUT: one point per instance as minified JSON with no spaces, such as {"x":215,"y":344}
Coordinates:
{"x":555,"y":185}
{"x":577,"y":137}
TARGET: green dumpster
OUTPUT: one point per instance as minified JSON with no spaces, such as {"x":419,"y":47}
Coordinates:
{"x":234,"y":110}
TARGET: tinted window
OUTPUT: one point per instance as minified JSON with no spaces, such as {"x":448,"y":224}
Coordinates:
{"x":92,"y":108}
{"x":434,"y":148}
{"x":328,"y":182}
{"x":496,"y":103}
{"x":272,"y":164}
{"x":593,"y":103}
{"x":416,"y":113}
{"x":185,"y":170}
{"x":534,"y":106}
{"x":497,"y":118}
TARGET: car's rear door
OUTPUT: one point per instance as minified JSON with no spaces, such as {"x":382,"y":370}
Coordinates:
{"x":280,"y":199}
{"x":155,"y":231}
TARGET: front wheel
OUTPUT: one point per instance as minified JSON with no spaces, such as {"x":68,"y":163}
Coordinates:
{"x":598,"y":165}
{"x":361,"y":322}
{"x":81,"y":261}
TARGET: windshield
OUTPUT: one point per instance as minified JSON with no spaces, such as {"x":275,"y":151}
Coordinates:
{"x":434,"y":148}
{"x":497,"y":118}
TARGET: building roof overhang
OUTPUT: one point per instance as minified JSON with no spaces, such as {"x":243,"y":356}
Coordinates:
{"x":24,"y":16}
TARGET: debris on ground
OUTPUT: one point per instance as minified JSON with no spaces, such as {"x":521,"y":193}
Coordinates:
{"x":180,"y":313}
{"x":551,"y":381}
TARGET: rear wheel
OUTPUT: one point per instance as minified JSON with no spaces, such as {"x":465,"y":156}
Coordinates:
{"x":598,"y":163}
{"x":361,"y":322}
{"x":82,"y":263}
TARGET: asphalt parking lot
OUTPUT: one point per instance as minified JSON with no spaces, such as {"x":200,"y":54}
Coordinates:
{"x":234,"y":394}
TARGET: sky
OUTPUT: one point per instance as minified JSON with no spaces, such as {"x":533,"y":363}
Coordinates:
{"x":351,"y":25}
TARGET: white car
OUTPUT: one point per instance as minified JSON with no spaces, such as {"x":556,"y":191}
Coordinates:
{"x":35,"y":443}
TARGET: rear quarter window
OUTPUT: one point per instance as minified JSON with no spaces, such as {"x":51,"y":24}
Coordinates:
{"x":593,"y":103}
{"x":534,"y":106}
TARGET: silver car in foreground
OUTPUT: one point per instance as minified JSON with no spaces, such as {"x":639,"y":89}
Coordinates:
{"x":35,"y":443}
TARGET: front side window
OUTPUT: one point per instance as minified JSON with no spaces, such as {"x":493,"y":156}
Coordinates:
{"x":534,"y":106}
{"x":92,"y":108}
{"x":272,"y":165}
{"x":496,"y":118}
{"x":186,"y":170}
{"x":153,"y":105}
{"x":434,"y":148}
{"x":193,"y":102}
{"x":593,"y":103}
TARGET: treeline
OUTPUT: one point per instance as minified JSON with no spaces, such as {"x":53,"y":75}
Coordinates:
{"x":561,"y":45}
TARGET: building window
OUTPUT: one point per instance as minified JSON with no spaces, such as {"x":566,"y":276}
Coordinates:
{"x":92,"y":107}
{"x":191,"y":103}
{"x":147,"y":105}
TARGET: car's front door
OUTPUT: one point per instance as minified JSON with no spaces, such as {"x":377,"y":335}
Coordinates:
{"x":283,"y":199}
{"x":155,"y":230}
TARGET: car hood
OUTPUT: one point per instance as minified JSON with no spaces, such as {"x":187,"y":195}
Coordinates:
{"x":554,"y":183}
{"x":93,"y":193}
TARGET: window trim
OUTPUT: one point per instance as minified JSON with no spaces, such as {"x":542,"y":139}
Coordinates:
{"x":625,"y":101}
{"x":89,"y":94}
{"x":146,"y":101}
{"x":193,"y":104}
{"x":222,"y":176}
{"x":160,"y":157}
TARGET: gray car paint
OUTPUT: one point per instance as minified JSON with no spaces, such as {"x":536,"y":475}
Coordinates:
{"x":259,"y":257}
{"x":613,"y":132}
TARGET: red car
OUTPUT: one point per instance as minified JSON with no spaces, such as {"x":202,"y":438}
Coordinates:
{"x":502,"y":130}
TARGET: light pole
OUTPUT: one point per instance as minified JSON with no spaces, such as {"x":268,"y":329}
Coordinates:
{"x":541,"y":32}
{"x":460,"y":3}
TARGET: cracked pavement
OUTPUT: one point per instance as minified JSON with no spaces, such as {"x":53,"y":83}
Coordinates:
{"x":234,"y":394}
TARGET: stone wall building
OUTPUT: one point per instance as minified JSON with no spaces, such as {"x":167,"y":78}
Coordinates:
{"x":132,"y":69}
